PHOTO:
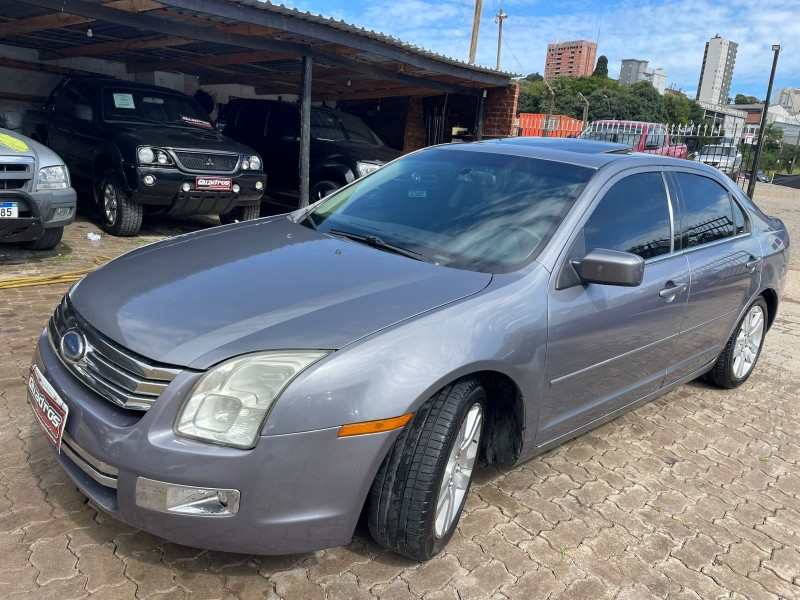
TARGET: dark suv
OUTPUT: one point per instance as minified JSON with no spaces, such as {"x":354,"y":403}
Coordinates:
{"x":343,"y":147}
{"x":134,"y":146}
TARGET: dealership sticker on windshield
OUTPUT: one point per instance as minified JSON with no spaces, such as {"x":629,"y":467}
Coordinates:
{"x":198,"y":122}
{"x":213,"y":183}
{"x":124,"y":101}
{"x":50,"y":410}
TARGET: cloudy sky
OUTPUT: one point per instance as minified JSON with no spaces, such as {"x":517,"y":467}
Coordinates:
{"x":671,"y":34}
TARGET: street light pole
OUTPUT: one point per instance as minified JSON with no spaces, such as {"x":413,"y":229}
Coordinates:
{"x":499,"y":18}
{"x":751,"y":188}
{"x":585,"y":110}
{"x":552,"y":97}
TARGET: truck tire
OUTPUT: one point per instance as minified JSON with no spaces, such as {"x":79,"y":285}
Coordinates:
{"x":120,"y":216}
{"x":48,"y":241}
{"x":427,"y":471}
{"x":320,"y":189}
{"x":241,"y":213}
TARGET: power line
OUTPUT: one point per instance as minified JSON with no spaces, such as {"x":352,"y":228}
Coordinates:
{"x":461,"y":29}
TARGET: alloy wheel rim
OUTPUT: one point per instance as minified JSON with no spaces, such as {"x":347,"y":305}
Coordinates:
{"x":748,"y":342}
{"x":458,"y":471}
{"x":110,"y":203}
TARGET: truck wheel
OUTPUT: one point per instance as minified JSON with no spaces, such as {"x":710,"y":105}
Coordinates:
{"x":120,"y":216}
{"x":321,"y":189}
{"x":418,"y":494}
{"x":48,"y":241}
{"x":241,"y":213}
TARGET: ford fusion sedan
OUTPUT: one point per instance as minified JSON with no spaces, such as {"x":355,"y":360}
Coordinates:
{"x":271,"y":379}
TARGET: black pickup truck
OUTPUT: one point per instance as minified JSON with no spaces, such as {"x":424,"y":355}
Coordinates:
{"x":136,"y":148}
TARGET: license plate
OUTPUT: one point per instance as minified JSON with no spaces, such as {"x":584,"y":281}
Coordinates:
{"x":9,"y":210}
{"x":213,"y":183}
{"x":50,"y":410}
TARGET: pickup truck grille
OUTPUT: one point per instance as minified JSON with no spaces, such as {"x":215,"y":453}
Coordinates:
{"x":203,"y":161}
{"x":15,"y":176}
{"x":115,"y":373}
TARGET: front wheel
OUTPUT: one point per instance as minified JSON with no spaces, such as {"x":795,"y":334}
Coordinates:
{"x":240,"y":213}
{"x":419,"y":492}
{"x":737,"y":361}
{"x":48,"y":241}
{"x":120,"y":215}
{"x":321,"y":189}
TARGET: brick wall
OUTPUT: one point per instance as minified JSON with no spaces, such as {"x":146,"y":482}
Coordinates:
{"x":414,"y":138}
{"x":500,"y":111}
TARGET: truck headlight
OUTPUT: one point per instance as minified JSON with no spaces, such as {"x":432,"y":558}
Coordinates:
{"x":153,"y":156}
{"x":255,"y":163}
{"x":365,"y":168}
{"x":230,"y":402}
{"x":53,"y":178}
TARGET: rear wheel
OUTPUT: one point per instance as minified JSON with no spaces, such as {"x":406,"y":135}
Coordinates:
{"x":417,"y":496}
{"x":241,"y":213}
{"x":322,"y":188}
{"x":120,"y":215}
{"x":48,"y":241}
{"x":737,"y":361}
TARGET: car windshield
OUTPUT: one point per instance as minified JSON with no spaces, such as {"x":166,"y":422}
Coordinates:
{"x":341,"y":127}
{"x":718,"y":151}
{"x":460,"y":208}
{"x":622,"y":134}
{"x":152,"y":106}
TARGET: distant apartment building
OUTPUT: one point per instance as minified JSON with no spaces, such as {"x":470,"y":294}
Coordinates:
{"x":717,"y":71}
{"x":633,"y":70}
{"x":570,"y":58}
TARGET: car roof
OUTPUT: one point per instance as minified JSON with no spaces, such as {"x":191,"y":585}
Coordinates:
{"x":569,"y":144}
{"x":100,"y":82}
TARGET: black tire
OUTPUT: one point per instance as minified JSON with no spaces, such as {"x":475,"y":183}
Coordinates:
{"x":241,"y":213}
{"x":723,"y":373}
{"x":403,"y":497}
{"x":48,"y":241}
{"x":124,"y":219}
{"x":321,"y":189}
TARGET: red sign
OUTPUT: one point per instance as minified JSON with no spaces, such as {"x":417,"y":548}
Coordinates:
{"x":49,"y":409}
{"x":213,"y":183}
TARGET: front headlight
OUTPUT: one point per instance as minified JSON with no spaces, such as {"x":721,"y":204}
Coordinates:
{"x":365,"y":168}
{"x":148,"y":156}
{"x":230,"y":402}
{"x":53,"y":178}
{"x":255,"y":163}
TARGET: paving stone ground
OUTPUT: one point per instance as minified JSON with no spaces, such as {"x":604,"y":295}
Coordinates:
{"x":695,"y":495}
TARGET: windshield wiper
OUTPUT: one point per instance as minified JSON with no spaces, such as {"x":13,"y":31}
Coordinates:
{"x":376,"y":242}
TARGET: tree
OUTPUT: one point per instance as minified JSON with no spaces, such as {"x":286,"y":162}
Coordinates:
{"x":741,"y":99}
{"x":601,"y":69}
{"x":534,"y":77}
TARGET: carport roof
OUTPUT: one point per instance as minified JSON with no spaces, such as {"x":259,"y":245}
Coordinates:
{"x":238,"y":41}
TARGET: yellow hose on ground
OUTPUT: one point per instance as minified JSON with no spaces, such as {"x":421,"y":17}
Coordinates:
{"x":68,"y":277}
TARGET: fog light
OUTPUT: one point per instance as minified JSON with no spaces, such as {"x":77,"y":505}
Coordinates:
{"x":149,"y":179}
{"x":259,"y":185}
{"x":236,"y":188}
{"x":185,"y":499}
{"x":186,"y":187}
{"x":62,"y":213}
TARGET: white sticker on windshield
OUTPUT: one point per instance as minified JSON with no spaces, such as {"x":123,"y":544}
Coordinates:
{"x":148,"y":100}
{"x":417,"y":193}
{"x":124,"y":101}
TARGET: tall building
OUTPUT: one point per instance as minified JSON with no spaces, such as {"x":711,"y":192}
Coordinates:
{"x":717,"y":71}
{"x":633,"y":70}
{"x":570,"y":58}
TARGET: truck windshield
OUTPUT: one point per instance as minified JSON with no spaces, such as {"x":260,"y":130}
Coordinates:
{"x":152,"y":106}
{"x":718,"y":151}
{"x":622,"y":134}
{"x":472,"y":210}
{"x":341,"y":127}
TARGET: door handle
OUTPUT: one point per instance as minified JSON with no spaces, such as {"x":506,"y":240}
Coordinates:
{"x":672,"y":291}
{"x":751,"y":264}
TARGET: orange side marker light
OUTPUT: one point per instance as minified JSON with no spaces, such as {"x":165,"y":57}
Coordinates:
{"x":374,"y":426}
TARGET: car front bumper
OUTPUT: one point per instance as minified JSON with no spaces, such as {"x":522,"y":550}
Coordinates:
{"x":298,"y":492}
{"x":37,"y":213}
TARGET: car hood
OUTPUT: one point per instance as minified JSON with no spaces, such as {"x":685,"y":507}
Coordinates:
{"x":261,"y":285}
{"x":13,"y":144}
{"x":182,"y":136}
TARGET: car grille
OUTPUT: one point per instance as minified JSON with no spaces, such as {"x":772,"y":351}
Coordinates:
{"x":15,"y":176}
{"x":115,"y":373}
{"x":201,"y":161}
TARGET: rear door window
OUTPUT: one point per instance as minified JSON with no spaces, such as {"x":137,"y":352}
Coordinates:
{"x":65,"y":105}
{"x":708,"y":214}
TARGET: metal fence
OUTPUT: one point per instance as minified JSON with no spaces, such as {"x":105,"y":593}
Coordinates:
{"x":732,"y":152}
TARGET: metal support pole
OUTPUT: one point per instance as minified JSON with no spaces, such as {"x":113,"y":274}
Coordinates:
{"x":499,"y":18}
{"x":751,"y":188}
{"x":546,"y":124}
{"x":305,"y":132}
{"x":794,"y":153}
{"x":585,"y":110}
{"x":476,"y":25}
{"x":479,"y":117}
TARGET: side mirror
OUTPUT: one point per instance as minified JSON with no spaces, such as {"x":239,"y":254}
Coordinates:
{"x":12,"y":120}
{"x":83,"y":112}
{"x":610,"y":267}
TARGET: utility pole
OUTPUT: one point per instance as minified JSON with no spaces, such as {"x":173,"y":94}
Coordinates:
{"x":552,"y":94}
{"x":751,"y":188}
{"x":585,"y":110}
{"x":794,"y":153}
{"x":476,"y":25}
{"x":499,"y":18}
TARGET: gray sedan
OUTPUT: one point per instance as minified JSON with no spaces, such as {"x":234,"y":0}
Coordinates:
{"x":252,"y":388}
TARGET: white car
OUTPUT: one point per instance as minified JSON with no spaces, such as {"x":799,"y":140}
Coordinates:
{"x":724,"y":157}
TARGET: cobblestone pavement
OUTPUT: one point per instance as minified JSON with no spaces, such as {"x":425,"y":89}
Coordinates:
{"x":696,"y":494}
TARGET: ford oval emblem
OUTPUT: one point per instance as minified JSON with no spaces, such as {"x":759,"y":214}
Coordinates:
{"x":73,"y":345}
